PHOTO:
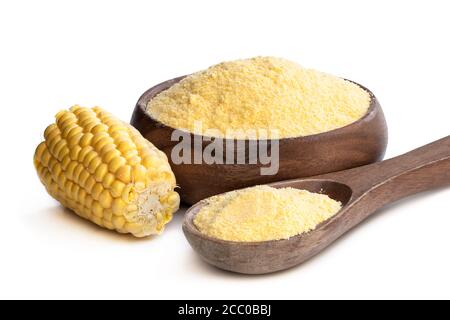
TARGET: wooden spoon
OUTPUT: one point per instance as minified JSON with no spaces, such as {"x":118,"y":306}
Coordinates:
{"x":362,"y":191}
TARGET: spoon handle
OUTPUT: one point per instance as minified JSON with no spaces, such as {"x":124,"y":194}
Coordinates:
{"x":422,"y":169}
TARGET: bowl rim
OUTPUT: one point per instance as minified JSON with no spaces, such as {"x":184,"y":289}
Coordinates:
{"x":143,"y":100}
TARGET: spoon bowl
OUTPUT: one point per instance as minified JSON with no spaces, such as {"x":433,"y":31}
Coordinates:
{"x":362,"y":191}
{"x":264,"y":256}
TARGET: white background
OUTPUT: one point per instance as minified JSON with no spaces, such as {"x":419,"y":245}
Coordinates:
{"x":54,"y":54}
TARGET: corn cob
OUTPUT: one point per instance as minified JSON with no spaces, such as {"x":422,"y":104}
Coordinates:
{"x":106,"y":172}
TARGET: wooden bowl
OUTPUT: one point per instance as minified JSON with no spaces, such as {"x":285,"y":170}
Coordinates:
{"x":360,"y":143}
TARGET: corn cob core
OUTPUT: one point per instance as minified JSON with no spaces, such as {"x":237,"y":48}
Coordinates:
{"x":106,"y":172}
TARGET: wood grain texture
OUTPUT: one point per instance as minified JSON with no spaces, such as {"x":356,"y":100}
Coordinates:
{"x":362,"y":191}
{"x":360,"y":143}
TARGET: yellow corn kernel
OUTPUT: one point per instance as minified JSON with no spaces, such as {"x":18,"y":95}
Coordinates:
{"x":51,"y":143}
{"x":61,"y":180}
{"x":47,"y":177}
{"x":108,"y":120}
{"x":131,"y":215}
{"x":94,"y":164}
{"x":116,"y":164}
{"x":140,"y":186}
{"x":74,"y":152}
{"x":84,"y":119}
{"x":124,"y":146}
{"x":97,"y":220}
{"x":134,"y":228}
{"x":82,"y":196}
{"x":62,"y":152}
{"x":89,"y":185}
{"x":70,"y":131}
{"x":66,"y":161}
{"x":116,"y":127}
{"x":45,"y":158}
{"x":117,"y":188}
{"x":59,"y":145}
{"x":89,"y":156}
{"x":107,"y":224}
{"x":51,"y":131}
{"x":133,"y":132}
{"x":77,"y":172}
{"x":99,"y":128}
{"x":151,"y":162}
{"x":118,"y":221}
{"x":76,"y":109}
{"x":40,"y":151}
{"x":173,"y":199}
{"x":74,"y":191}
{"x":118,"y":134}
{"x":132,"y":208}
{"x":74,"y":139}
{"x":97,"y":209}
{"x":66,"y":119}
{"x":118,"y":206}
{"x":53,"y":188}
{"x":108,"y":215}
{"x":41,"y":170}
{"x":105,"y":142}
{"x":76,"y":131}
{"x":68,"y":186}
{"x":86,"y":139}
{"x":139,"y":173}
{"x":90,"y":124}
{"x":84,"y":152}
{"x":98,"y":136}
{"x":96,"y":191}
{"x":108,"y":180}
{"x":98,"y":166}
{"x":88,"y":202}
{"x":105,"y":199}
{"x":101,"y":171}
{"x":85,"y":114}
{"x":124,"y":173}
{"x":133,"y":160}
{"x":82,"y":179}
{"x":52,"y":163}
{"x":130,"y":153}
{"x":56,"y":170}
{"x":109,"y":153}
{"x":70,"y":169}
{"x":129,"y":194}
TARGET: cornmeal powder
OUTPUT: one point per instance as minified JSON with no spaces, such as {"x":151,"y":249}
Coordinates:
{"x":261,"y":93}
{"x":264,"y":213}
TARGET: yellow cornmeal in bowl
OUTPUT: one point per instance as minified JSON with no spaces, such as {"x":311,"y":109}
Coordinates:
{"x":264,"y":213}
{"x":260,"y":93}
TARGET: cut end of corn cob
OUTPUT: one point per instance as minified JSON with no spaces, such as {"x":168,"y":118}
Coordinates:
{"x":106,"y":172}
